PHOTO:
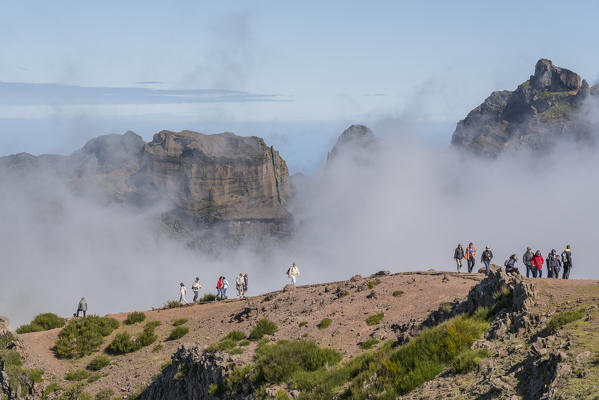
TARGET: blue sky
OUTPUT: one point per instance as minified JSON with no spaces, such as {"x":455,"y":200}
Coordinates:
{"x":293,"y":72}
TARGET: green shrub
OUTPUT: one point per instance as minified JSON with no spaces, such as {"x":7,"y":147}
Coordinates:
{"x":369,"y":344}
{"x":562,"y":318}
{"x":135,"y":317}
{"x":208,"y":297}
{"x":282,"y":395}
{"x":157,"y":348}
{"x":178,"y":333}
{"x":398,"y":293}
{"x":77,"y":375}
{"x":83,"y":336}
{"x":374,"y":319}
{"x":263,"y":327}
{"x":244,"y":343}
{"x":122,"y":344}
{"x":235,"y":335}
{"x":172,"y":304}
{"x":10,"y":358}
{"x":179,"y":321}
{"x":468,"y":361}
{"x":324,"y":323}
{"x":7,"y":339}
{"x":75,"y":392}
{"x":51,"y":388}
{"x":98,"y":363}
{"x":215,"y":390}
{"x":372,"y":284}
{"x":42,"y":322}
{"x":152,"y":325}
{"x":303,"y":323}
{"x":276,"y":363}
{"x":222,"y":345}
{"x":104,"y":394}
{"x":236,"y":350}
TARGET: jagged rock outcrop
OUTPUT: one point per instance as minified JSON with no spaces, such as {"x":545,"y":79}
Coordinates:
{"x":545,"y":108}
{"x":356,"y":138}
{"x":193,"y":374}
{"x":236,"y":183}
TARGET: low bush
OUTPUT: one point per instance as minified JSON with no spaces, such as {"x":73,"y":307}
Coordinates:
{"x":369,"y":344}
{"x":398,"y":293}
{"x":222,"y":345}
{"x":83,"y":336}
{"x":146,"y":338}
{"x":282,"y":395}
{"x":157,"y":348}
{"x":372,"y":284}
{"x":98,"y":363}
{"x":7,"y":339}
{"x":104,"y":394}
{"x":374,"y":319}
{"x":135,"y":318}
{"x":562,"y":318}
{"x":244,"y":342}
{"x":172,"y":304}
{"x":19,"y":379}
{"x":276,"y":363}
{"x":179,"y":321}
{"x":303,"y":323}
{"x":324,"y":323}
{"x":235,"y":335}
{"x":152,"y":325}
{"x":122,"y":344}
{"x":468,"y":361}
{"x":208,"y":297}
{"x":75,"y":392}
{"x":263,"y":327}
{"x":51,"y":388}
{"x":178,"y":333}
{"x":236,"y":350}
{"x":10,"y":358}
{"x":42,"y":322}
{"x":77,"y":375}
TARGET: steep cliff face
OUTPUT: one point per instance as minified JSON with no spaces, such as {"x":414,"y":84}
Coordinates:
{"x":545,"y":108}
{"x":236,"y":183}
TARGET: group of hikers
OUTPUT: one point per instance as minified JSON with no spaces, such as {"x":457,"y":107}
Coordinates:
{"x":532,"y":261}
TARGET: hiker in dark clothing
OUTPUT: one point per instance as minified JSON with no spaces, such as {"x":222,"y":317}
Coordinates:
{"x":458,"y":255}
{"x":567,"y":262}
{"x":486,"y":258}
{"x":471,"y":257}
{"x":527,"y":261}
{"x":553,"y":264}
{"x":82,"y":307}
{"x":510,"y":265}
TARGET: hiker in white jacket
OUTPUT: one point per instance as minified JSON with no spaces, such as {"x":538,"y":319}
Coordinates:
{"x":293,"y":272}
{"x":239,"y":285}
{"x":196,"y":289}
{"x":182,"y":299}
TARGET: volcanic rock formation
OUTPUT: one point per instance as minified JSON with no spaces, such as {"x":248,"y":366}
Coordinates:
{"x":547,"y":107}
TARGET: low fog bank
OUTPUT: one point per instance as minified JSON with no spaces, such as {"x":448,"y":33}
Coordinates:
{"x":403,"y":205}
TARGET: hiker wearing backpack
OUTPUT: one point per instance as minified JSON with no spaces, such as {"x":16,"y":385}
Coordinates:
{"x":195,"y":286}
{"x":293,"y":272}
{"x":81,"y":307}
{"x":183,"y":292}
{"x":486,"y":258}
{"x":239,"y":285}
{"x":510,"y":265}
{"x":537,"y":262}
{"x":553,"y":264}
{"x":527,"y":261}
{"x":471,"y":256}
{"x":458,"y":255}
{"x":567,"y":262}
{"x":245,"y":285}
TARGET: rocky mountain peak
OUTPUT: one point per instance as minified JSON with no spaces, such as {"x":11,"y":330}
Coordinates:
{"x":548,"y":77}
{"x":356,"y":136}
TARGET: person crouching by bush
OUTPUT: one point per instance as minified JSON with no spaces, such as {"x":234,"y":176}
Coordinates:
{"x":183,"y":292}
{"x":537,"y":262}
{"x":82,"y":307}
{"x":196,"y":289}
{"x":510,"y":265}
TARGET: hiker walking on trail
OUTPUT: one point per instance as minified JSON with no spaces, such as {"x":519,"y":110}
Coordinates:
{"x":225,"y":287}
{"x":219,"y":289}
{"x":471,"y":257}
{"x":183,"y":292}
{"x":510,"y":265}
{"x":196,"y":289}
{"x":81,"y":307}
{"x":537,"y":264}
{"x":486,"y":258}
{"x":553,"y":264}
{"x":245,"y":285}
{"x":527,"y":260}
{"x":567,"y":262}
{"x":239,"y":285}
{"x":293,"y":272}
{"x":458,"y":255}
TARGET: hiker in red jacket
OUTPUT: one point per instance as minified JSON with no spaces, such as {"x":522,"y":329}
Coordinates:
{"x":537,"y":262}
{"x":220,"y":285}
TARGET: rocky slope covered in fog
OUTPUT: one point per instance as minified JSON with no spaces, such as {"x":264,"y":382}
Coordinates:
{"x":236,"y":183}
{"x":553,"y":104}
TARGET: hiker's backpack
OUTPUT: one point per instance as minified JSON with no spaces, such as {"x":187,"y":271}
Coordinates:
{"x":564,"y":257}
{"x":288,"y":271}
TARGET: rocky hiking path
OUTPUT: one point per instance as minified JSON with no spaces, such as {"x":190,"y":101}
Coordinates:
{"x":346,"y":303}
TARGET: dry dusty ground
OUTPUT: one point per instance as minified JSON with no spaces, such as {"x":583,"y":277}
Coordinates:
{"x":346,"y":303}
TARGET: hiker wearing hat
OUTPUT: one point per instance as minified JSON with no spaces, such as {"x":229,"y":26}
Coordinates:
{"x":527,"y":260}
{"x":486,"y":258}
{"x":458,"y":255}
